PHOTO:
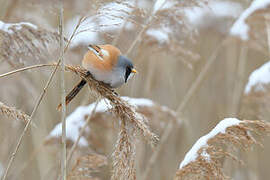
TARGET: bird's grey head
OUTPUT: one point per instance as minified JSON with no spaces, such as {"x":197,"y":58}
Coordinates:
{"x":125,"y":64}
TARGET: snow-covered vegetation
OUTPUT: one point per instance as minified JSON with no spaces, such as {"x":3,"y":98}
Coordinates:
{"x":197,"y":62}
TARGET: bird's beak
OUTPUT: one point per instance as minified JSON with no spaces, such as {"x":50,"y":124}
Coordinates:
{"x":134,"y":71}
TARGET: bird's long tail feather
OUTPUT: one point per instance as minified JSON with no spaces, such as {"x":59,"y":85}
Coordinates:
{"x":73,"y":93}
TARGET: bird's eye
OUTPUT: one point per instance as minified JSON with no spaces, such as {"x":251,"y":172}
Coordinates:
{"x":128,"y":71}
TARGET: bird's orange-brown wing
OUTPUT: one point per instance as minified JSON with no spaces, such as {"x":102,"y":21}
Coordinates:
{"x":102,"y":57}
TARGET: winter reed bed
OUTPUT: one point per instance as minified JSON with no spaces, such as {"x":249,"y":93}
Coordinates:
{"x":132,"y":123}
{"x":160,"y":37}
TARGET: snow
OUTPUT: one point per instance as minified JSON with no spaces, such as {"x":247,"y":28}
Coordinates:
{"x":109,"y":17}
{"x":159,"y":4}
{"x":18,"y":26}
{"x":163,"y":4}
{"x":240,"y":28}
{"x":114,"y":14}
{"x":138,"y":101}
{"x":160,"y":34}
{"x":202,"y":142}
{"x":258,"y":78}
{"x":197,"y":16}
{"x":76,"y":120}
{"x":87,"y":35}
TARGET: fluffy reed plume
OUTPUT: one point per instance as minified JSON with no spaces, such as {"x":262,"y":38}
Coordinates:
{"x":25,"y":44}
{"x":124,"y":154}
{"x":93,"y":162}
{"x":204,"y":160}
{"x":121,"y":108}
{"x":131,"y":122}
{"x":13,"y":113}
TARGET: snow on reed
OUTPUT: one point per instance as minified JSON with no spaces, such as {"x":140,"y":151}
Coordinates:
{"x":7,"y":27}
{"x":202,"y":142}
{"x":258,"y":79}
{"x":76,"y":120}
{"x":240,"y":28}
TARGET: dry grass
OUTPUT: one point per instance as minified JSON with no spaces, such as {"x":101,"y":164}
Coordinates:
{"x":209,"y":161}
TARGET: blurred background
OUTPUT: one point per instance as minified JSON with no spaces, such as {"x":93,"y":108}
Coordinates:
{"x":194,"y":60}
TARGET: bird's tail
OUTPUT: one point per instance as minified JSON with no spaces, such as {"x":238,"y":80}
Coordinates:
{"x":73,"y":93}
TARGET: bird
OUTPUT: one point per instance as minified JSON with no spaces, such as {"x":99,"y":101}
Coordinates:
{"x":107,"y":64}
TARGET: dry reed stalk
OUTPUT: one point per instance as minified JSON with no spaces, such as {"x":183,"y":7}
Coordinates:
{"x":63,"y":93}
{"x":239,"y":86}
{"x":239,"y":81}
{"x":267,"y":19}
{"x":9,"y":10}
{"x":204,"y":160}
{"x":3,"y":8}
{"x":202,"y":75}
{"x":25,"y":68}
{"x":14,"y":113}
{"x":37,"y":105}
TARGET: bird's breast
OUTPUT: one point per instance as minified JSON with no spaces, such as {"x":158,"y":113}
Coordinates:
{"x":113,"y":78}
{"x":104,"y":72}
